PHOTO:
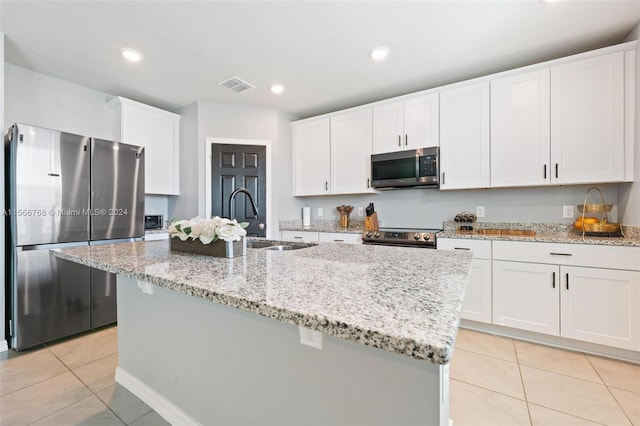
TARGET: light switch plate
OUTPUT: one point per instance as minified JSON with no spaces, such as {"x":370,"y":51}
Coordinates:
{"x":360,"y":211}
{"x":567,"y":212}
{"x":480,"y":211}
{"x":310,"y":337}
{"x":320,"y":211}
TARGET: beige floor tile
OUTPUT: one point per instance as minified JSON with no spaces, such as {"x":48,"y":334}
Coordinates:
{"x":126,"y":405}
{"x":574,"y":364}
{"x":541,"y":416}
{"x":88,"y":412}
{"x":474,"y":406}
{"x":98,"y":375}
{"x":619,"y":374}
{"x":486,"y":344}
{"x":151,"y":419}
{"x":630,"y":403}
{"x":90,"y":347}
{"x":21,"y":369}
{"x":42,"y":399}
{"x":580,"y":398}
{"x":487,"y":372}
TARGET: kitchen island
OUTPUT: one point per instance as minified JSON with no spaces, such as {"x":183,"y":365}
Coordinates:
{"x":207,"y":340}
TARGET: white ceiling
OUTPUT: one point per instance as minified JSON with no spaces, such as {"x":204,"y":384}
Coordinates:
{"x":317,"y":49}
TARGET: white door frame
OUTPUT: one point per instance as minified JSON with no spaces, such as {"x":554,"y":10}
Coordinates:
{"x":207,"y":173}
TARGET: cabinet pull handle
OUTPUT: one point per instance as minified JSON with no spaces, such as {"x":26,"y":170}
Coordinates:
{"x":326,"y":185}
{"x":399,"y":140}
{"x":461,"y":248}
{"x":368,"y":182}
{"x":553,"y":279}
{"x":556,"y":170}
{"x":560,"y":254}
{"x":298,"y":238}
{"x":339,"y":241}
{"x":567,"y":281}
{"x":443,"y":178}
{"x":545,"y":171}
{"x":406,"y":140}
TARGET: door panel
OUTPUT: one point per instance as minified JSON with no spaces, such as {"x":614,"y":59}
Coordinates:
{"x":51,"y":300}
{"x":103,"y":292}
{"x":233,"y":166}
{"x":51,"y":186}
{"x":117,"y":184}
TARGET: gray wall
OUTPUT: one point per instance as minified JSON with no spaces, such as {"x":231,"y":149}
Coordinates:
{"x":629,"y":193}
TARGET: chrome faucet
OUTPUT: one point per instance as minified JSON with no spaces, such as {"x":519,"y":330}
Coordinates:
{"x":232,"y":204}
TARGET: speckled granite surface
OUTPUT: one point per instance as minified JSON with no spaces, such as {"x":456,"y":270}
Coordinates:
{"x":355,"y":227}
{"x":545,"y":232}
{"x":374,"y":295}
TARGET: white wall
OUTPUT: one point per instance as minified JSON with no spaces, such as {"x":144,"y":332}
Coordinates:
{"x":629,"y":193}
{"x":428,"y":208}
{"x":3,"y":343}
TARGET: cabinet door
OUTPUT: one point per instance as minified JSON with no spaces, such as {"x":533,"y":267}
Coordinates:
{"x":464,"y":137}
{"x":601,"y":306}
{"x":526,"y":296}
{"x":477,"y":298}
{"x":587,"y":120}
{"x":311,"y":157}
{"x":339,"y":237}
{"x":422,"y":122}
{"x":351,"y":152}
{"x":520,"y":150}
{"x":388,"y":127}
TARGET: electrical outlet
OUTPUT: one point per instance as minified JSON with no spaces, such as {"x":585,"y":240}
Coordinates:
{"x":480,"y":211}
{"x":320,"y":211}
{"x":567,"y":212}
{"x":360,"y":211}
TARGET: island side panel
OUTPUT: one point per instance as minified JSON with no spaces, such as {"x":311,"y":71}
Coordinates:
{"x":221,"y":365}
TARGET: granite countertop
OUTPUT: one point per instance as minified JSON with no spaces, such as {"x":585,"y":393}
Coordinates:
{"x":544,"y":233}
{"x":373,"y":295}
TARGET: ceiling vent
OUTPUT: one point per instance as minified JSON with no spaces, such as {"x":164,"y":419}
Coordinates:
{"x":237,"y":85}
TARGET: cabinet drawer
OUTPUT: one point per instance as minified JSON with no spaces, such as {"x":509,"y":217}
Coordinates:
{"x":339,"y":237}
{"x":613,"y":257}
{"x":480,"y":249}
{"x":300,"y":236}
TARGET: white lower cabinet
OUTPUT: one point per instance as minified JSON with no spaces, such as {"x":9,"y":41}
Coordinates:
{"x":303,"y":236}
{"x":568,"y":297}
{"x":477,"y":298}
{"x":339,"y":237}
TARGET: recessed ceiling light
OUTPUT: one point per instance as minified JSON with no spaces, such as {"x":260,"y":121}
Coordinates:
{"x":131,"y":55}
{"x":277,"y":88}
{"x":379,"y":53}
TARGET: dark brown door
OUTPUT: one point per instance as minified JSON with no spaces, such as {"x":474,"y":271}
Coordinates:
{"x":234,"y":166}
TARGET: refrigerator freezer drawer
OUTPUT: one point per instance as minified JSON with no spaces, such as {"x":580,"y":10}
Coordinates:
{"x":51,"y":298}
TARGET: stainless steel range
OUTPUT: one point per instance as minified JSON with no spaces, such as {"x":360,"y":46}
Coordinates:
{"x":402,"y":237}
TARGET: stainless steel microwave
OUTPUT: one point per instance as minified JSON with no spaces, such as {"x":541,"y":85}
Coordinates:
{"x":402,"y":169}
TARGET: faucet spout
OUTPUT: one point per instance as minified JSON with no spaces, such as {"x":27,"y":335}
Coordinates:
{"x":232,"y":205}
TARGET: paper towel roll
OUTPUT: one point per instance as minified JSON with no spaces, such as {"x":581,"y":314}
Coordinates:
{"x":306,"y":217}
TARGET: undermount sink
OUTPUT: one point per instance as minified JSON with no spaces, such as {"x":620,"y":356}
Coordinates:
{"x":277,"y":245}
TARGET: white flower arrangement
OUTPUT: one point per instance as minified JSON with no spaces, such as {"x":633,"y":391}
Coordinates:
{"x":208,"y":230}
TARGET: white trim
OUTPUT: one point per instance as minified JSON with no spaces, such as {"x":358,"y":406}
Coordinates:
{"x":153,"y":399}
{"x":3,"y":346}
{"x":207,"y":174}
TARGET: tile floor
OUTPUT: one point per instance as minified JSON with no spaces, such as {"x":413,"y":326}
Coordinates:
{"x":494,"y":381}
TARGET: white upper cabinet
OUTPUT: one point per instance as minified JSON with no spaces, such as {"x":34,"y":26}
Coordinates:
{"x":409,"y":124}
{"x":520,"y":150}
{"x":158,"y":131}
{"x":311,"y":157}
{"x":464,"y":137}
{"x":587,"y":120}
{"x":351,"y":152}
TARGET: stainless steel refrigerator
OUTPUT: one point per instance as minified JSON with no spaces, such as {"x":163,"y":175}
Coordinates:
{"x":65,"y":190}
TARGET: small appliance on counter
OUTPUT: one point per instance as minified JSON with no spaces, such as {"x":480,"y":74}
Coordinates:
{"x":465,"y":221}
{"x":153,"y":221}
{"x":344,"y":211}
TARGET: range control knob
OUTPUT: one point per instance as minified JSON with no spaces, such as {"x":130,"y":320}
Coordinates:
{"x":416,"y":236}
{"x":377,"y":234}
{"x":368,"y":234}
{"x":427,"y":237}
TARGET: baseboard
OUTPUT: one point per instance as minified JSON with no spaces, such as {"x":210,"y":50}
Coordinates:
{"x":159,"y":403}
{"x":3,"y":346}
